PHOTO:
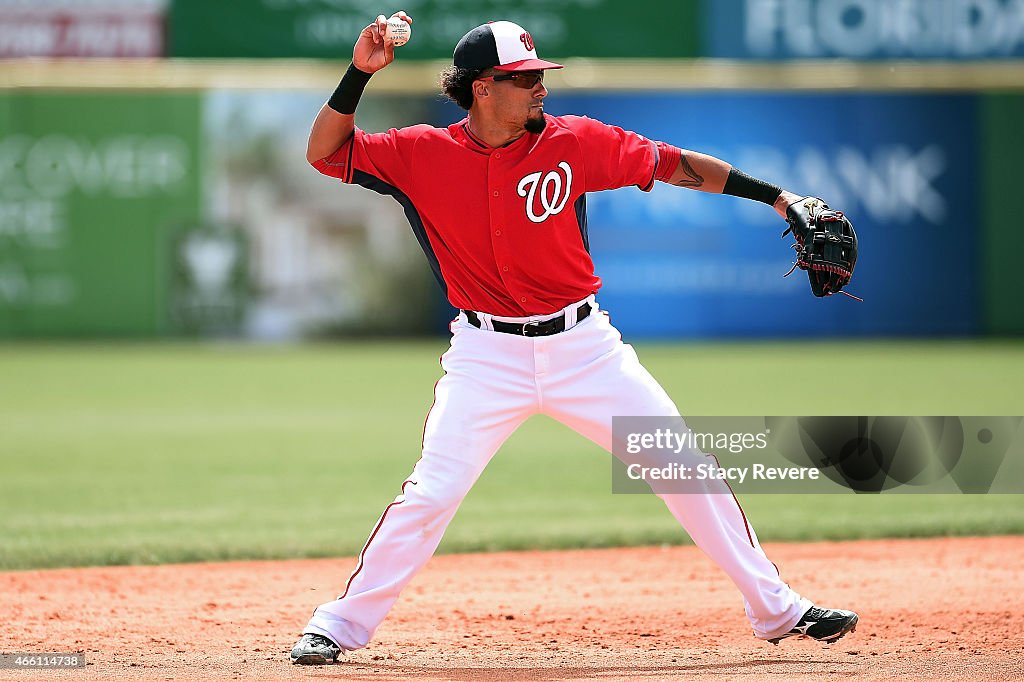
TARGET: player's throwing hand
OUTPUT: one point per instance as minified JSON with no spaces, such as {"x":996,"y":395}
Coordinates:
{"x":372,"y":52}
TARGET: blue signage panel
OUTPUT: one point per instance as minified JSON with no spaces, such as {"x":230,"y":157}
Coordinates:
{"x":864,"y":29}
{"x":681,"y":263}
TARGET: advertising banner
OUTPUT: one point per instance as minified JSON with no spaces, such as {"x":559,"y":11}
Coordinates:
{"x":863,"y":29}
{"x":91,"y":190}
{"x":328,"y":28}
{"x":82,"y":28}
{"x":680,"y":263}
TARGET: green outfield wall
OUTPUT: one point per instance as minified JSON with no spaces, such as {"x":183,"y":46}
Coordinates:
{"x":92,"y":189}
{"x":1003,"y":237}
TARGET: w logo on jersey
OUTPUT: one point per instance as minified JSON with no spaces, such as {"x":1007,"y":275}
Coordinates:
{"x":543,"y":191}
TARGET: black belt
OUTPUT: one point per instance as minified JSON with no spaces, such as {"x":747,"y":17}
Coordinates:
{"x":545,"y":328}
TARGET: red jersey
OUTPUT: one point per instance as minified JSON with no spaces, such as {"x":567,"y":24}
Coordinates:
{"x":505,"y":228}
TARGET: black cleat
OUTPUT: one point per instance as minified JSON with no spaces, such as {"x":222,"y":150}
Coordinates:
{"x":824,"y":625}
{"x":315,"y":650}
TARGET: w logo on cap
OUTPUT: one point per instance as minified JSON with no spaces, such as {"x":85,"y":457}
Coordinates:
{"x":502,"y":44}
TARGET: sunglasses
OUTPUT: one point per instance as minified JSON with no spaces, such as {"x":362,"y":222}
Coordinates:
{"x":525,"y":79}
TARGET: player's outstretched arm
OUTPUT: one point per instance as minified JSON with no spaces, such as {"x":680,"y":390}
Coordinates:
{"x":336,"y":120}
{"x":829,"y":261}
{"x":708,"y":174}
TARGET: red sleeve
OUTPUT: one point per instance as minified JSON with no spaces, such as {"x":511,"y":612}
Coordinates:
{"x":384,"y":156}
{"x":614,"y":157}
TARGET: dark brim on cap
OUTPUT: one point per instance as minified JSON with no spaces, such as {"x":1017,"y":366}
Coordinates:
{"x":528,"y":65}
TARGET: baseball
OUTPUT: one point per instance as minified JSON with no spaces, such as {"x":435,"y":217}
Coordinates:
{"x":398,"y":31}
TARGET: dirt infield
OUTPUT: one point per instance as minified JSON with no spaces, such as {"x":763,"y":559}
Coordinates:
{"x":930,"y":609}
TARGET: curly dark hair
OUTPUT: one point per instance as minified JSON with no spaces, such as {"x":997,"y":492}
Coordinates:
{"x":457,"y":84}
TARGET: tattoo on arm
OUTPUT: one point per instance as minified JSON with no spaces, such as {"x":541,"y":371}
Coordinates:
{"x":691,"y":178}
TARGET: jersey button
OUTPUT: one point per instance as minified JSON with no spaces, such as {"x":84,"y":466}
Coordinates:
{"x":498,"y":155}
{"x":505,"y":269}
{"x":495,"y":192}
{"x":522,"y":300}
{"x":497,"y":233}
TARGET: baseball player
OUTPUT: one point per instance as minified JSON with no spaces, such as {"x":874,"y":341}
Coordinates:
{"x":497,"y":201}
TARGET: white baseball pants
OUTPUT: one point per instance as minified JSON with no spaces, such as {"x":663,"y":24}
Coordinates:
{"x":492,"y":383}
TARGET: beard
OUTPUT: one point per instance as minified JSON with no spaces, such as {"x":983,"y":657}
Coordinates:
{"x":535,"y":124}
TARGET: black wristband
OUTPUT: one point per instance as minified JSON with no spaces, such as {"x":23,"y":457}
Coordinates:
{"x":740,"y":184}
{"x":350,"y":89}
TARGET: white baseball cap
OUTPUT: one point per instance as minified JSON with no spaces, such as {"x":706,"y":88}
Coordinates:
{"x":500,"y":45}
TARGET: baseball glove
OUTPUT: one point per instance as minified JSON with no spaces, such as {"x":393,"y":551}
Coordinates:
{"x":826,"y":245}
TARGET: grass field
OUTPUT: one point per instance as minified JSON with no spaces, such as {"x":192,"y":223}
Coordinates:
{"x":167,"y":453}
